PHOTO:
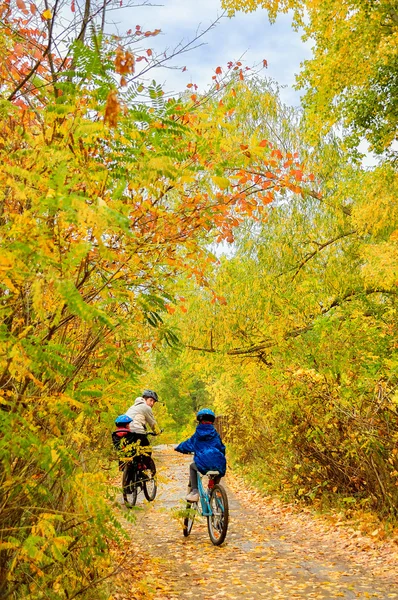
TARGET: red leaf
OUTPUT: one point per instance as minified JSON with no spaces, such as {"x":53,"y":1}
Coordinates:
{"x":265,"y":63}
{"x":149,"y":52}
{"x":218,"y":70}
{"x":72,"y":6}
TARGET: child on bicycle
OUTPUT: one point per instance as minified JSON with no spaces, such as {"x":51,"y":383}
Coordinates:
{"x":208,"y":451}
{"x":123,"y":439}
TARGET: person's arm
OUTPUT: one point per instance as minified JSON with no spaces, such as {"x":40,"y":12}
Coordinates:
{"x":150,"y":419}
{"x":186,"y":447}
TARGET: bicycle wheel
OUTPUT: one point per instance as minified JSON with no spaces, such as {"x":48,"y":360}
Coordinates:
{"x":217,"y":522}
{"x":129,"y":483}
{"x":192,"y":507}
{"x":149,"y":482}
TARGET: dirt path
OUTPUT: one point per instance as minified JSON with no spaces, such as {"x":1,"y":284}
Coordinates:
{"x":270,"y":551}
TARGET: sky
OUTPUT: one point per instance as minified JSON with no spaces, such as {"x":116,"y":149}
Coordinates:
{"x":246,"y":36}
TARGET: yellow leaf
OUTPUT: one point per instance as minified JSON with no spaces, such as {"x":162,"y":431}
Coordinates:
{"x":221,"y":182}
{"x":5,"y":263}
{"x":47,"y":14}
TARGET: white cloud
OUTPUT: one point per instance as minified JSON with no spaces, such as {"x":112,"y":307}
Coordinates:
{"x":248,"y":35}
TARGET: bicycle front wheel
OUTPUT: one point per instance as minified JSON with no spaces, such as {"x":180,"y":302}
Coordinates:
{"x":217,"y":522}
{"x":191,"y":508}
{"x":129,"y":483}
{"x":149,"y":482}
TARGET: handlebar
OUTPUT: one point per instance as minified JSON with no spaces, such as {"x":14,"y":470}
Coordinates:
{"x":154,"y":434}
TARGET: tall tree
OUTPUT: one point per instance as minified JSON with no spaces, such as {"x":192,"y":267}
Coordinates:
{"x":351,"y":78}
{"x":295,"y":336}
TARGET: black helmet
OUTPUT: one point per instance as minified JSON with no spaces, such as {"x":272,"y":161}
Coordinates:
{"x":150,"y":394}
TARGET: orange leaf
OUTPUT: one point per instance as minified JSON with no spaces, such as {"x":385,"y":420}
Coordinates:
{"x":149,"y":52}
{"x":218,"y":70}
{"x":276,"y":153}
{"x":297,"y":175}
{"x":263,"y":143}
{"x":265,"y":63}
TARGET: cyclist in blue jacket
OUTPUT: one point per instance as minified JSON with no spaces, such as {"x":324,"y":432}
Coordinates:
{"x":208,"y":450}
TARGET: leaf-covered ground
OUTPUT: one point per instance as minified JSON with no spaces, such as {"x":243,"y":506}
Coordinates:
{"x":271,"y":551}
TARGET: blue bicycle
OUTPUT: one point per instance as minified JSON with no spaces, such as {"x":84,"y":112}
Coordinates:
{"x":213,"y":504}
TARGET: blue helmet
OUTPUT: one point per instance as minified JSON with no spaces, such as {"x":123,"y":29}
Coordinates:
{"x":123,"y":420}
{"x":206,"y":414}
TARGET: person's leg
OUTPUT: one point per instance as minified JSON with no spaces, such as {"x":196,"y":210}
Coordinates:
{"x":193,"y":477}
{"x":146,"y":452}
{"x":193,"y":495}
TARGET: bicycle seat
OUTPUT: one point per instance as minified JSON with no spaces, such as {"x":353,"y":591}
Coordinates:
{"x":212,"y":472}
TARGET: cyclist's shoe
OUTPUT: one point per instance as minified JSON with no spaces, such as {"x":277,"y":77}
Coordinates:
{"x":193,"y":496}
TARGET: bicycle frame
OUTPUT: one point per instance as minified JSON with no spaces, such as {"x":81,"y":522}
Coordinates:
{"x":204,"y":497}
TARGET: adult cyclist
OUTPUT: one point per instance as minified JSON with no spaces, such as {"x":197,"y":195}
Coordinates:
{"x":141,"y":416}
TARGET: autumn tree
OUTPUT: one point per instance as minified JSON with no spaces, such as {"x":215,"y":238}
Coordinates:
{"x":351,"y":78}
{"x":295,"y":334}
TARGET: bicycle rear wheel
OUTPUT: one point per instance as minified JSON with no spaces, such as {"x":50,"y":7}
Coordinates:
{"x":191,"y":508}
{"x":129,"y":483}
{"x":149,"y":482}
{"x":217,"y":522}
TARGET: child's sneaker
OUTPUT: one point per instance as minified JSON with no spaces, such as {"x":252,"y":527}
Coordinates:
{"x":193,"y":496}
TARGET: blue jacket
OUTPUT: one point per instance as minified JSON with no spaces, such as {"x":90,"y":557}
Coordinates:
{"x":208,"y":449}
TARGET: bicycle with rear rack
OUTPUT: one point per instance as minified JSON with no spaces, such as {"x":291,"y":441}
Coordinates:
{"x":212,"y":504}
{"x":139,"y":473}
